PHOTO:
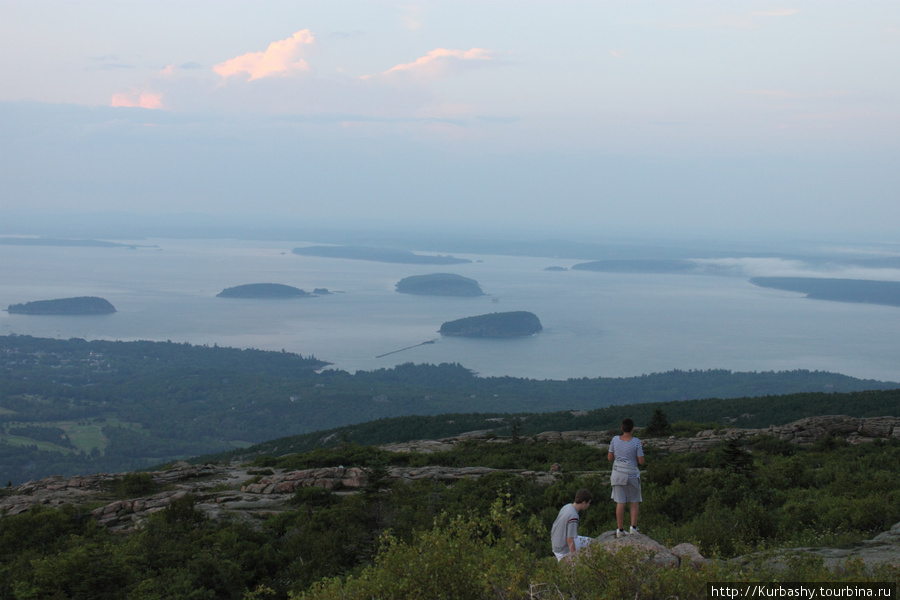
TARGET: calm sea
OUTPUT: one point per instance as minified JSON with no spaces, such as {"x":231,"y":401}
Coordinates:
{"x":595,"y":324}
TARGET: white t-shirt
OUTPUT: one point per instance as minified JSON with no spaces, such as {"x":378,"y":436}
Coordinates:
{"x":626,"y":453}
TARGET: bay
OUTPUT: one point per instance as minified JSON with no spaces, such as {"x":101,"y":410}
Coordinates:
{"x":595,"y":324}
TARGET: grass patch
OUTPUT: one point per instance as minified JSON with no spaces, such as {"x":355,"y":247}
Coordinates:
{"x":17,"y":440}
{"x":85,"y":434}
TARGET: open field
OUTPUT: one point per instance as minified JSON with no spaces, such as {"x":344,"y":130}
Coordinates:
{"x":85,"y":434}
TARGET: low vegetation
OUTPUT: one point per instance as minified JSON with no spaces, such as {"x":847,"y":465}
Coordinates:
{"x":484,"y":538}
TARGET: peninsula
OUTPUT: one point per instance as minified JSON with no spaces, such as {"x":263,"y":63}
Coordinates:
{"x":494,"y":325}
{"x":439,"y":284}
{"x":388,"y":255}
{"x":840,"y":290}
{"x":263,"y":290}
{"x":83,"y":305}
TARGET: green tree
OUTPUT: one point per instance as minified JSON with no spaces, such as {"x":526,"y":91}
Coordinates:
{"x":659,"y":424}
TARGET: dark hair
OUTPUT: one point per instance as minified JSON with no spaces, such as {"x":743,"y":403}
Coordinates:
{"x":627,"y":425}
{"x":583,"y":496}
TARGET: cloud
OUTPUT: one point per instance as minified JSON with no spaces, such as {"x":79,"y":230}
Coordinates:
{"x":617,"y":53}
{"x":781,"y":267}
{"x":149,"y":100}
{"x":265,"y":83}
{"x":438,"y":62}
{"x":280,"y":58}
{"x":411,"y":18}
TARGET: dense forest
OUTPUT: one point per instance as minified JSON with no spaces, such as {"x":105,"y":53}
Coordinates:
{"x":750,"y":413}
{"x":477,"y":538}
{"x":126,"y":405}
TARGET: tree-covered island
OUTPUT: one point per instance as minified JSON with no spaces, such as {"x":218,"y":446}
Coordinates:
{"x":82,"y":305}
{"x":264,"y":290}
{"x":495,"y":325}
{"x":655,"y":266}
{"x":388,"y":255}
{"x":439,"y":284}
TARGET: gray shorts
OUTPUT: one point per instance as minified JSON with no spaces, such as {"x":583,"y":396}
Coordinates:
{"x":627,"y":493}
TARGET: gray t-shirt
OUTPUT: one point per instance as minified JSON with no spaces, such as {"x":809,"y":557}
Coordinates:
{"x":565,"y":526}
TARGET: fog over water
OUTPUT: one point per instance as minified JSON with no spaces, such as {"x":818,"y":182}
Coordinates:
{"x":595,"y":324}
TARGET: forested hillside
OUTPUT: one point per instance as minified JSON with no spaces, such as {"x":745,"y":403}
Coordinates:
{"x":115,"y":406}
{"x":713,"y":413}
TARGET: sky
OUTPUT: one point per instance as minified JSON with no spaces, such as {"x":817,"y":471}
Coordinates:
{"x":706,"y":118}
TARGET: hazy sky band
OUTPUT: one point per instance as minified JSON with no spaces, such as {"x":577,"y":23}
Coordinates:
{"x":642,"y":116}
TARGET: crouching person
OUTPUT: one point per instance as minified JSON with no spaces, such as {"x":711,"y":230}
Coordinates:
{"x":564,"y":534}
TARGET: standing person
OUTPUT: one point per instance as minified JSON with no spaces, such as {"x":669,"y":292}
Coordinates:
{"x":626,"y":453}
{"x":564,"y":534}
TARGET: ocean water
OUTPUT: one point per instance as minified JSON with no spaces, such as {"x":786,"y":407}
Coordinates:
{"x":595,"y":324}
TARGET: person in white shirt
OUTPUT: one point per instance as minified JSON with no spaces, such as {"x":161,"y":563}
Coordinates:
{"x":626,"y":453}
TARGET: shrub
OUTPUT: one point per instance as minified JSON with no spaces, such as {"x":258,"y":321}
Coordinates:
{"x":132,"y":485}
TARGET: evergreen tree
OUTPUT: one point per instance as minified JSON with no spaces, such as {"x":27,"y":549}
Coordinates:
{"x":659,"y":424}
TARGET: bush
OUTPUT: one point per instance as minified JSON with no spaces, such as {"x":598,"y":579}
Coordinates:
{"x":132,"y":485}
{"x":459,"y":558}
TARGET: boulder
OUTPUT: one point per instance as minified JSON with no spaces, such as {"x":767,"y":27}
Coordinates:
{"x":645,"y":548}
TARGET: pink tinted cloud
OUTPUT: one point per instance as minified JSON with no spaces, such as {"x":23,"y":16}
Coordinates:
{"x":137,"y":100}
{"x":280,"y":58}
{"x":438,"y":61}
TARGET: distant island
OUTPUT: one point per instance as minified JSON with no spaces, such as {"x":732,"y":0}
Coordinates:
{"x":439,"y":284}
{"x":840,"y":290}
{"x":495,"y":325}
{"x":656,"y":266}
{"x":556,"y":269}
{"x":387,"y":255}
{"x":266,"y":290}
{"x":83,"y":305}
{"x":25,"y":241}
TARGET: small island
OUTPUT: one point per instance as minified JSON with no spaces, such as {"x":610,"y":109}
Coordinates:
{"x":439,"y":284}
{"x":388,"y":255}
{"x":495,"y":325}
{"x":82,"y":305}
{"x":263,"y":290}
{"x":28,"y":241}
{"x":556,"y":269}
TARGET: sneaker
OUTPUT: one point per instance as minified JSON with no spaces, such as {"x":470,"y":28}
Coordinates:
{"x":620,"y":533}
{"x":633,"y":530}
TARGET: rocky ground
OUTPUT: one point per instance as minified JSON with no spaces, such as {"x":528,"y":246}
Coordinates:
{"x":250,"y":493}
